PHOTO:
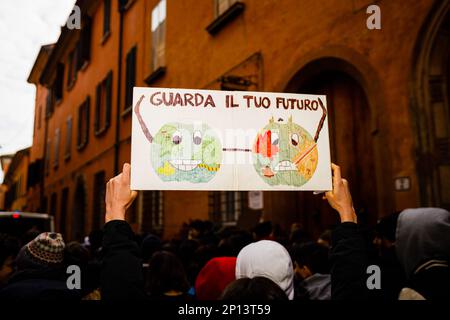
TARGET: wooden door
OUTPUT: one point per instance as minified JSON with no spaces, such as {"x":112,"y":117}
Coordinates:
{"x":351,"y":148}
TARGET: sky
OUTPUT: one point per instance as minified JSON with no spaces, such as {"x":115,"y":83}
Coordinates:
{"x":25,"y":25}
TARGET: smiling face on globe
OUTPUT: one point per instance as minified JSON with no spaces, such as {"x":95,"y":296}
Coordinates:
{"x":186,"y":152}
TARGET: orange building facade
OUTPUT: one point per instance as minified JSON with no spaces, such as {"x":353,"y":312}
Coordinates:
{"x":14,"y":187}
{"x":387,"y":93}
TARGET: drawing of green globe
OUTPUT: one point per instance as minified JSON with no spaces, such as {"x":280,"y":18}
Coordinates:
{"x":186,"y":152}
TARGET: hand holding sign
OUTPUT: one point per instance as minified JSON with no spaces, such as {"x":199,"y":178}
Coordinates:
{"x":119,"y":196}
{"x":340,"y":198}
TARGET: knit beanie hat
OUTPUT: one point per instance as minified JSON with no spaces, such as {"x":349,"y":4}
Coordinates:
{"x":214,"y":277}
{"x":267,"y":259}
{"x":46,"y":250}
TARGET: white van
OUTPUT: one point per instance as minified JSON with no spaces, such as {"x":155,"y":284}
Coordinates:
{"x":18,"y":223}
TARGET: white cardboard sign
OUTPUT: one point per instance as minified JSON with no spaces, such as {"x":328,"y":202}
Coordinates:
{"x":229,"y":140}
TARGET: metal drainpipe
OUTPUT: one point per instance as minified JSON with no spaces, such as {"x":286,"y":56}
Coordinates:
{"x":119,"y":89}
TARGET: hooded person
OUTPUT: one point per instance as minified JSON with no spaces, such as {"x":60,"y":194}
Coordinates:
{"x":267,"y":259}
{"x":214,"y":277}
{"x":423,"y":249}
{"x":39,"y":272}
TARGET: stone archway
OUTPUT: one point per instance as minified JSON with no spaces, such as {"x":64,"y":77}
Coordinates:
{"x":353,"y":137}
{"x":430,"y":106}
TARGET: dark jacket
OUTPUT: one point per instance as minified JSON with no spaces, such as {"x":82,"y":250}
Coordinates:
{"x":38,"y":285}
{"x":348,"y":260}
{"x":122,"y":275}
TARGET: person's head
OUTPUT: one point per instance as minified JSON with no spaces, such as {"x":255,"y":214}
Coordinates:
{"x":234,"y":242}
{"x":325,"y":238}
{"x":95,"y":240}
{"x":214,"y":277}
{"x":149,"y":246}
{"x":268,"y":259}
{"x":9,"y":247}
{"x":253,"y":289}
{"x":309,"y":258}
{"x":385,"y":232}
{"x":196,"y":229}
{"x":298,"y":234}
{"x":75,"y":253}
{"x":263,"y":231}
{"x":423,"y":249}
{"x":166,"y":274}
{"x":422,"y":234}
{"x":46,"y":251}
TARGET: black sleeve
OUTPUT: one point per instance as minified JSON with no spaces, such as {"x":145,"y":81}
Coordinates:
{"x":121,"y":275}
{"x":348,"y":263}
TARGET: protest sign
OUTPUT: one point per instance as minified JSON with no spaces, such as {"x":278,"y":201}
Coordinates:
{"x":229,"y":140}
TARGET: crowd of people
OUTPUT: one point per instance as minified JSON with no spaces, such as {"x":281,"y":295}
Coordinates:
{"x":411,"y":249}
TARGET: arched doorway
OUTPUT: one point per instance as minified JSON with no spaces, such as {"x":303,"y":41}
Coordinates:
{"x":431,"y":107}
{"x":351,"y":141}
{"x":79,"y":210}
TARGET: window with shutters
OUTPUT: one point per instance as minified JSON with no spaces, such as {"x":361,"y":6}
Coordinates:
{"x":58,"y":85}
{"x":49,"y":104}
{"x":19,"y":187}
{"x":56,"y":143}
{"x":224,"y":12}
{"x":83,"y":124}
{"x":43,"y":206}
{"x":84,"y":44}
{"x":106,"y":19}
{"x":68,"y":144}
{"x":225,"y":207}
{"x":39,"y":115}
{"x":99,"y":199}
{"x":71,"y":69}
{"x":53,"y":204}
{"x":152,"y":211}
{"x":130,"y":77}
{"x":159,"y":35}
{"x":103,"y":104}
{"x":222,"y":5}
{"x":47,"y":157}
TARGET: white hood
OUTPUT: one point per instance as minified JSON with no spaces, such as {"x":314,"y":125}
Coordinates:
{"x":268,"y":259}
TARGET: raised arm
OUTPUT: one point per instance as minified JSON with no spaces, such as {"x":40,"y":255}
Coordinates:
{"x":348,"y":254}
{"x":121,"y":276}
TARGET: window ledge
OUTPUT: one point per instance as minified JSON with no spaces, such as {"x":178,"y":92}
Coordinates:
{"x":229,"y":223}
{"x":126,"y":112}
{"x":128,"y":5}
{"x":71,"y":83}
{"x":105,"y":37}
{"x":85,"y":65}
{"x":227,"y":16}
{"x":81,"y":146}
{"x":101,"y":131}
{"x":155,"y":75}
